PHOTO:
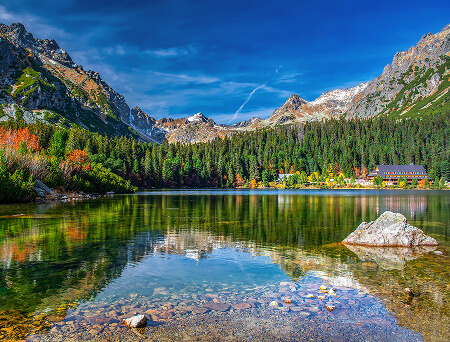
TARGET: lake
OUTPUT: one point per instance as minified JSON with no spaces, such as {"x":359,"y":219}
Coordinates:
{"x":228,"y":265}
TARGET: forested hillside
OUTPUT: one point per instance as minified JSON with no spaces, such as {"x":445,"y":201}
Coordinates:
{"x":79,"y":159}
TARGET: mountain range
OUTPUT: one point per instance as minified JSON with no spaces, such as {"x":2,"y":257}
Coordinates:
{"x":39,"y":82}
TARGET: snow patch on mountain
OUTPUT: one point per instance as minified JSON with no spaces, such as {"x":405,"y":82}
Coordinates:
{"x":340,"y":95}
{"x":196,"y":117}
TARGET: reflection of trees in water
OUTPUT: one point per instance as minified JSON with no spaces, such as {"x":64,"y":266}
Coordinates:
{"x":67,"y":253}
{"x":410,"y":206}
{"x":49,"y":265}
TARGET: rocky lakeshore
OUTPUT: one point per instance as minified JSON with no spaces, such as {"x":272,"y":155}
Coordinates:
{"x":47,"y":194}
{"x":290,"y":311}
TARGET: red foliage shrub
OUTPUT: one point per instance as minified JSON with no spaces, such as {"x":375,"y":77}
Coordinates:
{"x":14,"y":139}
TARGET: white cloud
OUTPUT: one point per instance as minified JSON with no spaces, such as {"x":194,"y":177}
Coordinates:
{"x":173,"y":52}
{"x":289,"y":78}
{"x":279,"y":92}
{"x":6,"y":16}
{"x":185,"y":78}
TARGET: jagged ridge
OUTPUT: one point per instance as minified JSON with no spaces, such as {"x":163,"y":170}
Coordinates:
{"x":40,"y":82}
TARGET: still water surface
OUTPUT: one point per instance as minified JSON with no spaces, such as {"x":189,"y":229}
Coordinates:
{"x":71,"y":271}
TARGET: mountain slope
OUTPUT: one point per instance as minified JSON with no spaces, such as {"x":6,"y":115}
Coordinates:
{"x":332,"y":104}
{"x":416,"y":83}
{"x":39,"y":81}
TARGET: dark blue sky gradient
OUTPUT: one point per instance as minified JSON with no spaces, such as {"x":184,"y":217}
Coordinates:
{"x":175,"y":58}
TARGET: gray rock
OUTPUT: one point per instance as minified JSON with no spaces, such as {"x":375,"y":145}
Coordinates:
{"x":135,"y":321}
{"x":390,"y":229}
{"x":41,"y":189}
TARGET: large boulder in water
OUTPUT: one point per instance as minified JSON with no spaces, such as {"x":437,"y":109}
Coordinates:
{"x":390,"y":229}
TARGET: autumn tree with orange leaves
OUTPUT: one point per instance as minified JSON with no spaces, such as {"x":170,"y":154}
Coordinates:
{"x":239,"y":181}
{"x":14,"y":139}
{"x":79,"y":159}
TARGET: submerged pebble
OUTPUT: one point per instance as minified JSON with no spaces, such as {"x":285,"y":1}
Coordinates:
{"x":135,"y":321}
{"x":331,"y":307}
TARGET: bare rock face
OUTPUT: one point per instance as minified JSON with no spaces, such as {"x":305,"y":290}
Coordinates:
{"x":135,"y":321}
{"x":41,"y":189}
{"x":390,"y":229}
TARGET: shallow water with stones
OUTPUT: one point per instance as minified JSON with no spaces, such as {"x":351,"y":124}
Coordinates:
{"x":222,"y":265}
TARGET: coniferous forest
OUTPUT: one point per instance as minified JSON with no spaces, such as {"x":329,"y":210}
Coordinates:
{"x":77,"y":159}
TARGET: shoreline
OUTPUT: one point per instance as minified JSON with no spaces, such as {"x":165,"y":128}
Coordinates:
{"x":79,"y":196}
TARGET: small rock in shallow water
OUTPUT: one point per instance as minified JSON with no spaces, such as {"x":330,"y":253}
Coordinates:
{"x":196,"y":310}
{"x":166,"y":315}
{"x":241,"y":306}
{"x":330,"y":308}
{"x":217,"y":306}
{"x":322,"y":287}
{"x":296,"y":308}
{"x":288,"y":301}
{"x":274,"y":303}
{"x":135,"y":321}
{"x":409,"y":292}
{"x":309,"y":296}
{"x":321,"y":297}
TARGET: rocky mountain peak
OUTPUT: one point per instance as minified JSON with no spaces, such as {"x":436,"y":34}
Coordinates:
{"x":199,"y":117}
{"x":294,"y":101}
{"x":138,"y":113}
{"x":428,"y":49}
{"x":414,"y":82}
{"x":246,"y":123}
{"x":18,"y":35}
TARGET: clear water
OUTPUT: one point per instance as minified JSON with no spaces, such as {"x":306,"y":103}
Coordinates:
{"x":73,"y":270}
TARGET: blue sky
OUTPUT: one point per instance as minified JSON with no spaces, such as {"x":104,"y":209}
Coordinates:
{"x":230,"y":60}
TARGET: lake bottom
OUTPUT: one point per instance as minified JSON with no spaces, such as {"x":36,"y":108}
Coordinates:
{"x":288,"y":311}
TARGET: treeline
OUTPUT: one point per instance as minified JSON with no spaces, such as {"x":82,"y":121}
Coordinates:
{"x":353,"y":147}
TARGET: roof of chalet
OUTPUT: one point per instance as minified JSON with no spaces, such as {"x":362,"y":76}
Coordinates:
{"x":282,"y":175}
{"x":398,"y":170}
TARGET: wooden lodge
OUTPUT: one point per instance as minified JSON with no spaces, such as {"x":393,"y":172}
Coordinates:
{"x":391,"y":173}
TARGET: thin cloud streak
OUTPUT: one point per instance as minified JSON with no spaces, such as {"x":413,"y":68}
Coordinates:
{"x":173,"y":52}
{"x":246,"y":101}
